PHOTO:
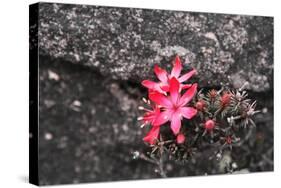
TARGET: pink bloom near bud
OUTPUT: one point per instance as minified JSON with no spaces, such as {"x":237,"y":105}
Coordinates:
{"x":180,"y":138}
{"x":168,"y":103}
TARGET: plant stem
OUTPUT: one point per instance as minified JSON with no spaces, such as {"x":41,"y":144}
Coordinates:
{"x":161,"y":169}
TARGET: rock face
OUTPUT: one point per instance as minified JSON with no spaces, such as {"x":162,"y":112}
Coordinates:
{"x":125,"y":43}
{"x":88,"y":127}
{"x":91,"y":62}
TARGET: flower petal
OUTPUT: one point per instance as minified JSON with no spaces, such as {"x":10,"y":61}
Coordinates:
{"x":188,"y":95}
{"x":188,"y":112}
{"x":159,"y":99}
{"x":185,"y":86}
{"x":186,"y":76}
{"x":162,"y":118}
{"x":176,"y":123}
{"x":161,"y":74}
{"x":174,"y":90}
{"x":152,"y":135}
{"x":177,"y":68}
{"x":152,"y":86}
{"x":149,"y":84}
{"x":165,"y":88}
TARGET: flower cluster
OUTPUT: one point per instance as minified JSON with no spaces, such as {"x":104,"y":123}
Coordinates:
{"x":216,"y":120}
{"x":168,"y":101}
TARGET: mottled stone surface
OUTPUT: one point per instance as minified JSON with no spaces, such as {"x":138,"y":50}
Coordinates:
{"x":125,"y":43}
{"x":88,"y":127}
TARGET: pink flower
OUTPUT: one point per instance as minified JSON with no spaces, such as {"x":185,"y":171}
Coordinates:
{"x":164,"y":77}
{"x":152,"y":135}
{"x":174,"y":105}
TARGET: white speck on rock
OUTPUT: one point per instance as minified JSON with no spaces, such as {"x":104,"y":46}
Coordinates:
{"x":77,"y":103}
{"x":93,"y":111}
{"x":125,"y":127}
{"x":234,"y":165}
{"x":92,"y":129}
{"x":171,"y":50}
{"x":211,"y":35}
{"x":264,"y":110}
{"x":77,"y":169}
{"x":77,"y":57}
{"x":53,"y":76}
{"x":48,"y":136}
{"x":56,"y":8}
{"x":49,"y":103}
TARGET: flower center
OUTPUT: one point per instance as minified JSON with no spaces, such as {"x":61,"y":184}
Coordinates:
{"x":175,"y":107}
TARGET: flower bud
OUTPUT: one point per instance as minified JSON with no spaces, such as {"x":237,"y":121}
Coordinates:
{"x":225,"y":99}
{"x":200,"y":105}
{"x":209,"y":125}
{"x":213,"y":94}
{"x":180,"y":138}
{"x":228,"y":140}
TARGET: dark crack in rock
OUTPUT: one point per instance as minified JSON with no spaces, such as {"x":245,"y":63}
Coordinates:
{"x":125,"y":43}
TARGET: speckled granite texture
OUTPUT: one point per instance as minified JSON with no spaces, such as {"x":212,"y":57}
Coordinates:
{"x":124,"y":43}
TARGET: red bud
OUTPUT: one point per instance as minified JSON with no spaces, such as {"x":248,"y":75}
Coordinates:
{"x":209,"y":125}
{"x":180,"y":138}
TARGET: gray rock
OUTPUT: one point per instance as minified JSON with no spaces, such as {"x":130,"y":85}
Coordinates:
{"x":92,"y":60}
{"x":88,"y":127}
{"x":125,"y":43}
